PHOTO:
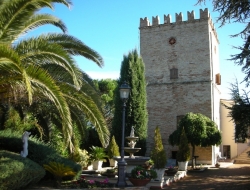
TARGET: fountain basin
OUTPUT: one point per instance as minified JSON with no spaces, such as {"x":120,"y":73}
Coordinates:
{"x":131,"y":151}
{"x":132,"y":162}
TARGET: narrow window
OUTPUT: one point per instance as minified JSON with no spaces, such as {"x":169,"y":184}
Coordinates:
{"x":218,"y":79}
{"x":173,"y":73}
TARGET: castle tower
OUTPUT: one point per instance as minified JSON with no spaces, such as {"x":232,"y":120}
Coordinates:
{"x":182,"y":73}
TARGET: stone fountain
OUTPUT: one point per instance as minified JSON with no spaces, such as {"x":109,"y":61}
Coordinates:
{"x":132,"y":160}
{"x":132,"y":142}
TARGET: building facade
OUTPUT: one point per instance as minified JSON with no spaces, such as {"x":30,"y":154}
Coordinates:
{"x":182,"y":73}
{"x":229,"y":147}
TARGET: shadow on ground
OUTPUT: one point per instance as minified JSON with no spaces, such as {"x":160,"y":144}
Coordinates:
{"x":236,"y":176}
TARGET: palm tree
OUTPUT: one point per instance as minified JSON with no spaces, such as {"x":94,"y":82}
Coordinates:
{"x":42,"y":68}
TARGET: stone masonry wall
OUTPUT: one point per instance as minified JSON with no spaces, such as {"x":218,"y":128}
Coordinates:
{"x":187,"y":47}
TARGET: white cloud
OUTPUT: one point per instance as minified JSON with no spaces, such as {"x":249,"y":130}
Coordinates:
{"x":103,"y":75}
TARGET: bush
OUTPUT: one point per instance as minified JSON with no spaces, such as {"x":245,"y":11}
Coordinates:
{"x":183,"y":153}
{"x":113,"y":148}
{"x":17,"y":172}
{"x":158,"y":154}
{"x":38,"y":151}
{"x":81,"y":157}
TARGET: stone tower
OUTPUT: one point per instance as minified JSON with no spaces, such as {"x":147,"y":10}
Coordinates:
{"x":182,"y":73}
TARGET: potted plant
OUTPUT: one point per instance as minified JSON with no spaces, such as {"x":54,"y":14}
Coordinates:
{"x":98,"y":156}
{"x":113,"y":151}
{"x":158,"y":155}
{"x":140,"y":176}
{"x":183,"y":154}
{"x":148,"y":164}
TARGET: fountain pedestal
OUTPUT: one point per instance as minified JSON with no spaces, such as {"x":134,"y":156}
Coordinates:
{"x":132,"y":160}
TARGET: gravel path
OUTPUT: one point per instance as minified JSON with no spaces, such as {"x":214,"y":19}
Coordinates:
{"x":236,"y":176}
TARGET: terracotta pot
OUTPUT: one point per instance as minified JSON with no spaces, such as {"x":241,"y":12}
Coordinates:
{"x":139,"y":182}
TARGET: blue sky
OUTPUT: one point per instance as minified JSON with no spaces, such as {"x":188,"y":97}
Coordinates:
{"x":111,"y":28}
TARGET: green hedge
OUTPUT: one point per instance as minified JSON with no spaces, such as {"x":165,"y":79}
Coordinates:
{"x":38,"y":151}
{"x":17,"y":172}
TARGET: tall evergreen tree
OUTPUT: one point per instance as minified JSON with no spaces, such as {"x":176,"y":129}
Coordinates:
{"x":240,"y":112}
{"x":133,"y":72}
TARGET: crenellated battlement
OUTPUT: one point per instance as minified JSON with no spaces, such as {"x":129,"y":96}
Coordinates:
{"x":204,"y":15}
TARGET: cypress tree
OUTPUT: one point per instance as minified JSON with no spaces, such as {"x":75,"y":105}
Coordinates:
{"x":133,"y":72}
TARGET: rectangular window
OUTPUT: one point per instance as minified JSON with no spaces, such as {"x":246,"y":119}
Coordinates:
{"x":173,"y":73}
{"x":218,"y":79}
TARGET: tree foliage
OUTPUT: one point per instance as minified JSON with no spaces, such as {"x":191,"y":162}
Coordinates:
{"x":107,"y":87}
{"x":200,"y":131}
{"x":133,"y":72}
{"x":237,"y":12}
{"x":240,"y":112}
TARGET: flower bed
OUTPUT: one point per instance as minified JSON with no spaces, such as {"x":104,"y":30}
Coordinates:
{"x":84,"y":183}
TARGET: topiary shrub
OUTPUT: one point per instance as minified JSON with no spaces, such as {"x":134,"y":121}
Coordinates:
{"x":113,"y":148}
{"x":11,"y":141}
{"x":183,"y":153}
{"x":17,"y":172}
{"x":38,"y":151}
{"x":158,"y":154}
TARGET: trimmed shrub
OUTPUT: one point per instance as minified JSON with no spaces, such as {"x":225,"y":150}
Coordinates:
{"x":158,"y":154}
{"x":17,"y":172}
{"x":183,"y":153}
{"x":113,"y":148}
{"x":38,"y":151}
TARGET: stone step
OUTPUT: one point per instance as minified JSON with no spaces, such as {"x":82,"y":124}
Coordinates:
{"x":242,"y":162}
{"x":243,"y":158}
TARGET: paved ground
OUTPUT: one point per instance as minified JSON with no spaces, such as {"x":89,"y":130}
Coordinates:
{"x":228,"y":177}
{"x":235,"y":176}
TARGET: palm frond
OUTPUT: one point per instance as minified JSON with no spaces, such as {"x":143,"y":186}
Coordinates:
{"x":83,"y":102}
{"x":75,"y":47}
{"x":40,"y":52}
{"x":42,"y":82}
{"x":15,"y":13}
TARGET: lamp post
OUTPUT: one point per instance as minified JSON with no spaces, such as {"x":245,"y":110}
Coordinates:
{"x":124,"y":94}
